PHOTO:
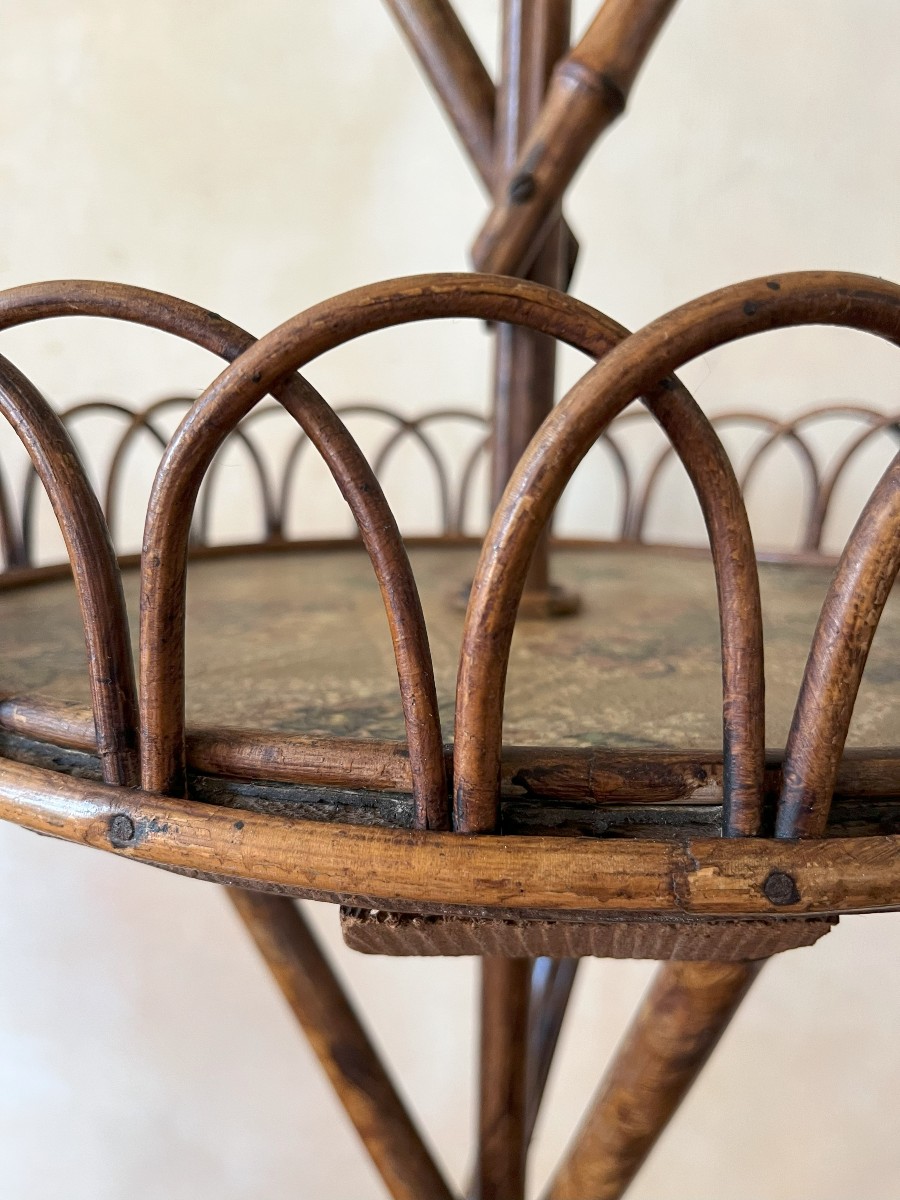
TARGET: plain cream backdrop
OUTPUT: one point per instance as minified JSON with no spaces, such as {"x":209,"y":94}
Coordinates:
{"x":255,"y":159}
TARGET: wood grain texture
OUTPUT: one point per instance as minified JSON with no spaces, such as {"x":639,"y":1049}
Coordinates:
{"x":677,"y":1027}
{"x":342,"y":1046}
{"x":837,"y":659}
{"x":503,"y":1075}
{"x":405,"y":870}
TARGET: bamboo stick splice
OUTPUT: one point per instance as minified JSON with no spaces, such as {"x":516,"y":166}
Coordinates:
{"x":588,"y":92}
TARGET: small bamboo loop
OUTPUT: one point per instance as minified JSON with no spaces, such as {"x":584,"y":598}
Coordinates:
{"x":97,"y":580}
{"x":269,"y":511}
{"x":139,"y":420}
{"x":880,"y":424}
{"x":837,"y":658}
{"x":29,"y":491}
{"x":857,"y":301}
{"x":411,"y":429}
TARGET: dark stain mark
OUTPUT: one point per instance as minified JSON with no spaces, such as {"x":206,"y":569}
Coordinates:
{"x":750,"y":307}
{"x":256,"y":376}
{"x":780,"y":888}
{"x":351,"y":1065}
{"x":215,"y":316}
{"x":239,"y":824}
{"x":613,"y":94}
{"x":121,"y":830}
{"x":773,"y":285}
{"x":521,"y":188}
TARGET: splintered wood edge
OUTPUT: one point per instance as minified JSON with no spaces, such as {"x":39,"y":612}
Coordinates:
{"x":475,"y":874}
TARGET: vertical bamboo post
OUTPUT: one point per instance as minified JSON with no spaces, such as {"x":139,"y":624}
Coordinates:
{"x":535,"y":36}
{"x":503,"y":1100}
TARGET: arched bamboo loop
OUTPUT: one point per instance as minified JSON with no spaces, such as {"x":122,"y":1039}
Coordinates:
{"x":97,"y":580}
{"x":835,"y":298}
{"x":11,"y":542}
{"x":141,"y":420}
{"x":837,"y":658}
{"x":162,"y":673}
{"x":880,"y":423}
{"x":29,"y":490}
{"x":395,"y":302}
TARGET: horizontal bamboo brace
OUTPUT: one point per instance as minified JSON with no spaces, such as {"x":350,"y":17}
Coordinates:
{"x":584,"y":775}
{"x":439,"y":872}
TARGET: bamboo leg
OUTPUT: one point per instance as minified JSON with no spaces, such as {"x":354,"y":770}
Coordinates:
{"x":551,"y":988}
{"x":535,"y":35}
{"x":677,"y":1026}
{"x":505,"y":996}
{"x":341,"y":1045}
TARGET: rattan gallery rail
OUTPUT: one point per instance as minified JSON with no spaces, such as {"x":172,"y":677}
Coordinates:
{"x":560,"y":837}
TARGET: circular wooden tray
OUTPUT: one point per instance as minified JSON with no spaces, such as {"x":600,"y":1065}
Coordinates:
{"x":297,"y":642}
{"x":613,"y":730}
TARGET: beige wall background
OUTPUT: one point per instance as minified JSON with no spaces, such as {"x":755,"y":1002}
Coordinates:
{"x":256,"y":159}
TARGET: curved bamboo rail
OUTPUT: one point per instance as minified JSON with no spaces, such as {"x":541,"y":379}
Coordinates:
{"x":837,"y":659}
{"x":434,"y":871}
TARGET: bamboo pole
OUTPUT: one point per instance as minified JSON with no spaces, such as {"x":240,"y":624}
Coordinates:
{"x":589,"y":90}
{"x":676,"y":1029}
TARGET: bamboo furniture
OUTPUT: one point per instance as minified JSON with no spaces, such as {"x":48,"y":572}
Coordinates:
{"x":530,"y":847}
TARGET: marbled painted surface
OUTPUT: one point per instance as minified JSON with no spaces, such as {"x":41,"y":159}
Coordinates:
{"x":299,"y":642}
